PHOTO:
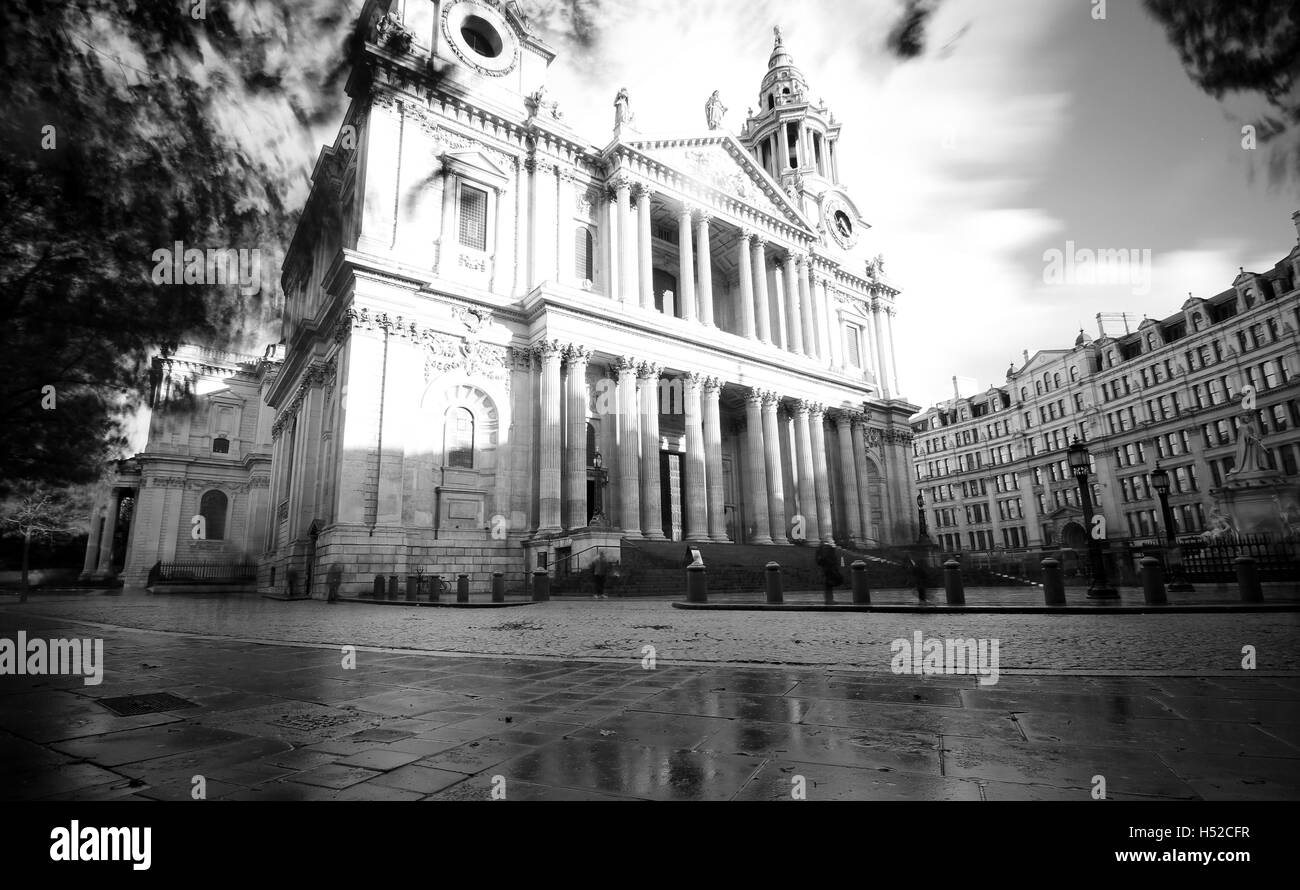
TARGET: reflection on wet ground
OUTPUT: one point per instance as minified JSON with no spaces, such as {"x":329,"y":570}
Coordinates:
{"x":291,"y":722}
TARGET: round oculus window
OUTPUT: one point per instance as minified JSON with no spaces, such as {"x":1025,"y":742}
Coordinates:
{"x":481,"y":37}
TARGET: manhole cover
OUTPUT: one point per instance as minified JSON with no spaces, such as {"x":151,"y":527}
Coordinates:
{"x":309,"y":722}
{"x":148,"y":703}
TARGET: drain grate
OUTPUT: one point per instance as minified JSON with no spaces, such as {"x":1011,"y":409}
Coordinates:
{"x":148,"y":703}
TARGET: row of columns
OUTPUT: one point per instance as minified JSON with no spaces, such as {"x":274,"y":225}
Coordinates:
{"x":562,"y":469}
{"x":98,"y":562}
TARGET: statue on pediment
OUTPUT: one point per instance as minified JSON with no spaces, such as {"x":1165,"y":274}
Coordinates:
{"x":714,"y":110}
{"x":622,"y":109}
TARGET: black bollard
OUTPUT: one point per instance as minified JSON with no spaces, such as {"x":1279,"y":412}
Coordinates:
{"x":378,"y":591}
{"x":541,"y":586}
{"x":952,"y":583}
{"x":861,"y":593}
{"x":392,"y":587}
{"x":772,"y":578}
{"x":462,"y":588}
{"x":1053,"y":583}
{"x":697,"y":587}
{"x":1248,"y":580}
{"x":498,"y":587}
{"x":1153,"y":582}
{"x":435,"y":588}
{"x":412,"y":588}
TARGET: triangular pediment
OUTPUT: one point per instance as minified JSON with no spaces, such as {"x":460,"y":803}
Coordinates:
{"x":474,"y":162}
{"x":720,"y":161}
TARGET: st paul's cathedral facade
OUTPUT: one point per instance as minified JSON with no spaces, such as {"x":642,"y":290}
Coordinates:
{"x":505,"y":345}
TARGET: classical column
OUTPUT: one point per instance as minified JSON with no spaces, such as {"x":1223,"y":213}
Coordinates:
{"x":756,"y":469}
{"x":575,"y":450}
{"x":834,"y":326}
{"x":626,"y":249}
{"x":711,"y":390}
{"x":758,"y":269}
{"x":864,"y":486}
{"x":647,"y":384}
{"x":694,"y":488}
{"x":746,"y":285}
{"x":643,"y":195}
{"x":821,"y":474}
{"x":804,"y":275}
{"x":804,"y":461}
{"x":105,"y":569}
{"x":849,"y":474}
{"x":882,"y":374}
{"x":869,"y":344}
{"x":780,"y":334}
{"x":612,"y":264}
{"x":92,"y":544}
{"x":890,"y":312}
{"x":772,"y":460}
{"x":548,"y":471}
{"x":629,"y":450}
{"x":793,"y":324}
{"x":704,"y":266}
{"x":685,"y":264}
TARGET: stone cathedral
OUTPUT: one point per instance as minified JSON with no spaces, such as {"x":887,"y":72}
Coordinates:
{"x":506,"y":345}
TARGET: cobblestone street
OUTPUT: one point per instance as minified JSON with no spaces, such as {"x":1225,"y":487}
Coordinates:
{"x":556,"y":701}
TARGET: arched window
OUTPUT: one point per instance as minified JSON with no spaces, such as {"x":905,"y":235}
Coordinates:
{"x":1038,"y":387}
{"x":1024,"y":393}
{"x":1151,"y":341}
{"x":458,"y":438}
{"x":1056,"y":380}
{"x":584,"y":256}
{"x":1196,"y":321}
{"x":1074,"y":372}
{"x":212,"y":507}
{"x":220,"y":445}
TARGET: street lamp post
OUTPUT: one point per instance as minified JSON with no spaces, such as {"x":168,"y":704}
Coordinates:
{"x":1160,"y":482}
{"x":920,"y":515}
{"x":598,"y":515}
{"x":1078,"y":458}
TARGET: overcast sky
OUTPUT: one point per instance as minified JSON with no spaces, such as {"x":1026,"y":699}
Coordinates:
{"x":1026,"y":124}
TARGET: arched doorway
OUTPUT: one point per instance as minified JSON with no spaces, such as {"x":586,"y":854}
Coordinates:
{"x":1074,"y":536}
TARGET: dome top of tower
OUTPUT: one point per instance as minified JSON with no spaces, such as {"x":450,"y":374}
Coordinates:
{"x":782,"y":70}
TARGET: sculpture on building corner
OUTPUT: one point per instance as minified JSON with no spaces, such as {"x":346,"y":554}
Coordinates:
{"x":714,"y":110}
{"x":1251,"y":456}
{"x":622,"y":109}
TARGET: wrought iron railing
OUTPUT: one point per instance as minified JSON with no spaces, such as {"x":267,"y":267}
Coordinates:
{"x":202,"y":573}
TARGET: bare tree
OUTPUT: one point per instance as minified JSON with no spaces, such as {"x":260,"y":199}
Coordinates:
{"x":39,"y":516}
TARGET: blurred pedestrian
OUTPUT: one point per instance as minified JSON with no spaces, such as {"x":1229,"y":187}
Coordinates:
{"x":917,"y":571}
{"x":599,"y":569}
{"x":828,"y":558}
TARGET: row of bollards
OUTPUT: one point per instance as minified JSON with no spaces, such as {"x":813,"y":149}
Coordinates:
{"x":1153,"y":584}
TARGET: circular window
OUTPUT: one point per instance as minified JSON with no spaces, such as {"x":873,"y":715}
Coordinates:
{"x":843,"y":223}
{"x":481,"y":37}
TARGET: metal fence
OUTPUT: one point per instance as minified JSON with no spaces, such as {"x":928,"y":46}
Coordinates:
{"x":203,"y":573}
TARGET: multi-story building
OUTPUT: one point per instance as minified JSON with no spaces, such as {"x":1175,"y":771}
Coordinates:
{"x":1168,"y":392}
{"x":507,"y":344}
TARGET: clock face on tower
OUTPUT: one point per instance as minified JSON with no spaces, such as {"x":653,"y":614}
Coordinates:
{"x":837,"y":218}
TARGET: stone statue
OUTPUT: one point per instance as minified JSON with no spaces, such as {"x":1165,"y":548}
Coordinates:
{"x":1219,"y":527}
{"x":714,"y":110}
{"x":1252,"y":456}
{"x":876,"y":267}
{"x":622,"y":109}
{"x":776,"y":29}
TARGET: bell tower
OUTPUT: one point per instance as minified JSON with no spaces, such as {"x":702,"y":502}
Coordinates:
{"x":791,"y":135}
{"x":796,"y":140}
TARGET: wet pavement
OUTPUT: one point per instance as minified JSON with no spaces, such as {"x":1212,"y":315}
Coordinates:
{"x":285,"y":719}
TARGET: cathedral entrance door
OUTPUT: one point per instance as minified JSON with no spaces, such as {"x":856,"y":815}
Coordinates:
{"x":670,"y":488}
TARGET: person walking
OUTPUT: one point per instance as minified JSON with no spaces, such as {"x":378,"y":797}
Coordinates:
{"x":828,"y":558}
{"x":599,"y":569}
{"x":917,"y":571}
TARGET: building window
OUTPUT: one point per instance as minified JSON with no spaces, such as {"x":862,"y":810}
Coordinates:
{"x":584,"y":256}
{"x":473,"y":217}
{"x":459,"y":438}
{"x":481,"y":37}
{"x":853,"y":344}
{"x":212,"y":507}
{"x":221,"y":445}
